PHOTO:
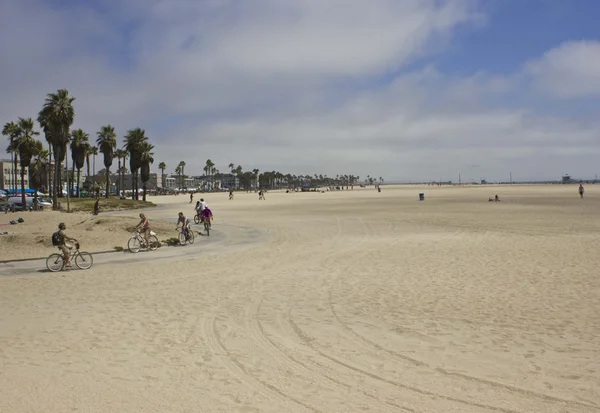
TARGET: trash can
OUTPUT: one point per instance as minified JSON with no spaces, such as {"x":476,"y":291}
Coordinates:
{"x":421,"y":197}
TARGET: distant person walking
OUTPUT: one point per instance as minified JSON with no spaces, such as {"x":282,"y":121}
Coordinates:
{"x":581,"y":190}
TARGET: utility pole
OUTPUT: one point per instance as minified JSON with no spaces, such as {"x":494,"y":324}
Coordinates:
{"x":511,"y":178}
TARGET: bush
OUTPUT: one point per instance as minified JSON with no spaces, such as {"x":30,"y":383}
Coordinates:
{"x":170,"y":242}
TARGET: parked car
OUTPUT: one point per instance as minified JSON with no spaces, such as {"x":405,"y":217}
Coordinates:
{"x":45,"y":203}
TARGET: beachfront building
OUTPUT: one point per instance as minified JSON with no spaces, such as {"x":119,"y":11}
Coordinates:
{"x":11,"y":177}
{"x":176,"y":182}
{"x":229,"y":181}
{"x":170,"y":182}
{"x":124,"y":182}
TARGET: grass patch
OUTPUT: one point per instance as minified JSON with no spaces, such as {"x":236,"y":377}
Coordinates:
{"x":170,"y":242}
{"x":110,"y":204}
{"x":119,"y":249}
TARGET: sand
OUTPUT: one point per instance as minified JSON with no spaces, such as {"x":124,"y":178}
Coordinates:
{"x":348,"y":301}
{"x":105,"y":232}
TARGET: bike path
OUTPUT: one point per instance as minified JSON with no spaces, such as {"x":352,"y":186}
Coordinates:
{"x":225,"y":239}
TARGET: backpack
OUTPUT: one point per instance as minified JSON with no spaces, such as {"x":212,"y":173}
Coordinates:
{"x":56,"y":238}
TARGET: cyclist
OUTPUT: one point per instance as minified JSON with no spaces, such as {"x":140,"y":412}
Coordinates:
{"x":206,"y":214}
{"x":202,"y":204}
{"x":185,"y":224}
{"x":63,"y":245}
{"x":198,"y":209}
{"x":144,"y":226}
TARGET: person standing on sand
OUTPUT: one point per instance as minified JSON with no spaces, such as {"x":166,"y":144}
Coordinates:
{"x":581,"y":190}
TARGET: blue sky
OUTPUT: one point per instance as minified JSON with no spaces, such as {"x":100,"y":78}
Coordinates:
{"x":517,"y":30}
{"x":344,"y":86}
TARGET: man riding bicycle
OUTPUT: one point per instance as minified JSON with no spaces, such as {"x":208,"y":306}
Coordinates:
{"x":185,"y":224}
{"x":144,"y":227}
{"x":63,"y":245}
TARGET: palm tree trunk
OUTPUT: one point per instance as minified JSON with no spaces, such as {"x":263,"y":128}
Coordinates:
{"x":50,"y":175}
{"x":144,"y":189}
{"x":118,"y":175}
{"x":107,"y":182}
{"x":73,"y":180}
{"x":78,"y":180}
{"x":23,"y":198}
{"x":94,"y":173}
{"x":56,"y":178}
{"x":15,"y":173}
{"x":11,"y":176}
{"x":68,"y":193}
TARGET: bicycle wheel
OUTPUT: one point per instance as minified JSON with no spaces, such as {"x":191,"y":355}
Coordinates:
{"x":196,"y":219}
{"x":84,"y":260}
{"x":190,"y":236}
{"x":181,"y":238}
{"x":153,"y":243}
{"x":55,"y":262}
{"x":133,"y":244}
{"x":207,"y":228}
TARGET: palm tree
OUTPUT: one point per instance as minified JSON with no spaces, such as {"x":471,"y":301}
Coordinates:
{"x":232,"y":167}
{"x":121,"y":155}
{"x":178,"y":173}
{"x":133,"y":144}
{"x":147,"y":159}
{"x":94,"y":153}
{"x":79,"y":147}
{"x":162,"y":166}
{"x":39,"y":167}
{"x":55,"y":118}
{"x":26,"y":145}
{"x":11,"y":130}
{"x":209,"y":169}
{"x":107,"y":142}
{"x":88,"y":152}
{"x":255,"y":176}
{"x":182,"y":168}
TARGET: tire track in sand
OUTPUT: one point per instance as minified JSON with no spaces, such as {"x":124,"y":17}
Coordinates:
{"x":552,"y":400}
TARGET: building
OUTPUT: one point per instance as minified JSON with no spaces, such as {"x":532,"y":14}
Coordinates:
{"x":229,"y":181}
{"x":9,"y":176}
{"x":125,"y":182}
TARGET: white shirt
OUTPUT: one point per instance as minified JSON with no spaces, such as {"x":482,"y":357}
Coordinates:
{"x":203,"y":205}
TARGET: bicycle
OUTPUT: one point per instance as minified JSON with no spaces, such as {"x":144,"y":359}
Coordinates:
{"x":198,"y":218}
{"x":207,"y":226}
{"x":186,"y":236}
{"x":137,"y":241}
{"x":56,"y":262}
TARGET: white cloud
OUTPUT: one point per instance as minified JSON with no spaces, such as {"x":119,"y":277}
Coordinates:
{"x":284,"y":84}
{"x":570,"y":70}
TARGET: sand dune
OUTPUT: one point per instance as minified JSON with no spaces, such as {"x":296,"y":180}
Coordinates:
{"x":323,"y":302}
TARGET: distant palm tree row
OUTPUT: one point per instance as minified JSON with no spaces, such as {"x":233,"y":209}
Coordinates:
{"x":55,"y":119}
{"x":270,"y":180}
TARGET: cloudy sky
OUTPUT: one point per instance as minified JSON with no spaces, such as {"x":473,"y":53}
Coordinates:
{"x":404,"y":89}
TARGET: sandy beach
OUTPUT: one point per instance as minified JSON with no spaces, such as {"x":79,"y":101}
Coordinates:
{"x":346,"y":301}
